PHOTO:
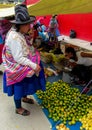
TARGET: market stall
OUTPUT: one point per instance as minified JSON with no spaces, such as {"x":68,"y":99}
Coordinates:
{"x":66,"y":106}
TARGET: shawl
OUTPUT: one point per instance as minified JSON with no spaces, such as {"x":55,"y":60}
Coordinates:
{"x":16,"y":72}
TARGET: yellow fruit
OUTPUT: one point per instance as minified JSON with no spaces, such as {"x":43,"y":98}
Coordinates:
{"x":87,"y":121}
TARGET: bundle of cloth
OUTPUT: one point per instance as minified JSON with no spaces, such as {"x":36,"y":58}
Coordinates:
{"x":5,"y":25}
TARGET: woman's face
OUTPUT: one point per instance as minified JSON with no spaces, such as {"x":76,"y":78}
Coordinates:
{"x":25,"y":28}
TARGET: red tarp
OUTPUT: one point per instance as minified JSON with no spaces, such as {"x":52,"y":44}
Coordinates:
{"x":31,"y":2}
{"x":81,"y":23}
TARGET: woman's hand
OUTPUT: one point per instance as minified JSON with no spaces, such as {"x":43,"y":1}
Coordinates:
{"x":30,"y":73}
{"x":36,"y":71}
{"x":38,"y":68}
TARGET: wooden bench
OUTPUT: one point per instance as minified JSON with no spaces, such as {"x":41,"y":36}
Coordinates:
{"x":76,"y":42}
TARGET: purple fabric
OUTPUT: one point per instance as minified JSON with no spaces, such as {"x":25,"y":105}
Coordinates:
{"x":5,"y":26}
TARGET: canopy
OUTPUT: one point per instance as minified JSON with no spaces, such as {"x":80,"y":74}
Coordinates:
{"x":5,"y":12}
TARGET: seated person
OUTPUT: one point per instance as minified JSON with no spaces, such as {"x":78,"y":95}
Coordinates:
{"x":77,"y":57}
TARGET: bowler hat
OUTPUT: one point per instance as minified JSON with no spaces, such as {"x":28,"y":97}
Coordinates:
{"x":22,"y":16}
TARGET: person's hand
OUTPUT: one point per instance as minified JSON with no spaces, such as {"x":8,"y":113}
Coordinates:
{"x":72,"y":64}
{"x":37,"y":70}
{"x":30,"y":73}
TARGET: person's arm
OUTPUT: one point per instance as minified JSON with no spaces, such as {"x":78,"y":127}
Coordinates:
{"x":17,"y":53}
{"x":86,"y":54}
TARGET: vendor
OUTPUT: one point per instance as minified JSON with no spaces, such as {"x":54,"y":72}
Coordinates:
{"x":77,"y":58}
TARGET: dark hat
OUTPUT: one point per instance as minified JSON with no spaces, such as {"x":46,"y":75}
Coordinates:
{"x":22,"y":16}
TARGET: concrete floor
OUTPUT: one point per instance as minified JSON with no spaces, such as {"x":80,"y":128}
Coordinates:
{"x":37,"y":120}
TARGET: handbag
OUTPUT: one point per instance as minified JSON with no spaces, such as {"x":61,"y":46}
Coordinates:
{"x":72,"y":34}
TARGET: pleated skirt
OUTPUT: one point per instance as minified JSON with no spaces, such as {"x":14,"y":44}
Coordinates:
{"x":27,"y":86}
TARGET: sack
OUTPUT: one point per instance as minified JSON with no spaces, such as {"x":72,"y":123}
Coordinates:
{"x":72,"y":34}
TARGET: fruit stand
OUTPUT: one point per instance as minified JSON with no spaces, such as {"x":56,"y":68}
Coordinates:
{"x":65,"y":104}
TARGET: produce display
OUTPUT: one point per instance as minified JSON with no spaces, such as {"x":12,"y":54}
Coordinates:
{"x":51,"y":57}
{"x":49,"y":72}
{"x":57,"y":58}
{"x":65,"y":103}
{"x":46,"y":57}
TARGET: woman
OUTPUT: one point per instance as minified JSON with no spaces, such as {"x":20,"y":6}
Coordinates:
{"x":23,"y":74}
{"x":53,"y":28}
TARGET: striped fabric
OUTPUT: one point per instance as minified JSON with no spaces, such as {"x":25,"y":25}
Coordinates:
{"x":14,"y":71}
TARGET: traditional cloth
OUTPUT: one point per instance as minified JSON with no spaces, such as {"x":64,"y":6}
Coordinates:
{"x":14,"y":71}
{"x":5,"y":26}
{"x":27,"y":86}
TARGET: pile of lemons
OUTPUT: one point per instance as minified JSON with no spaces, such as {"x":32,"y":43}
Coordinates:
{"x":61,"y":127}
{"x":65,"y":103}
{"x":86,"y":121}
